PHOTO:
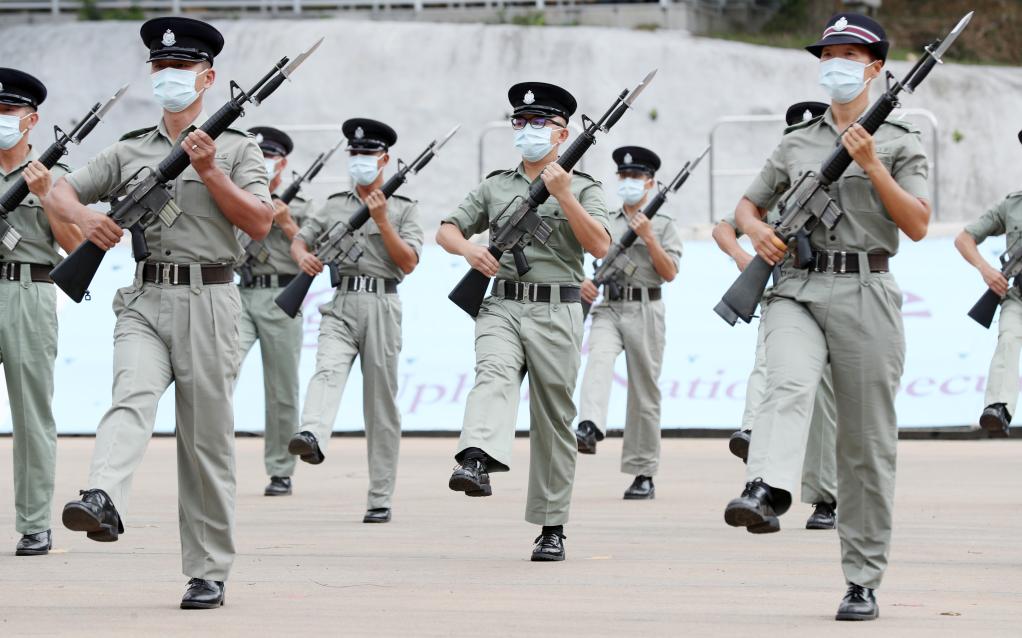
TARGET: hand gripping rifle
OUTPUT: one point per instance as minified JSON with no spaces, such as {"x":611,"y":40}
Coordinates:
{"x":150,"y":200}
{"x":18,"y":191}
{"x":808,"y":203}
{"x":337,"y":243}
{"x":617,"y":263}
{"x":1011,"y":267}
{"x":255,"y":251}
{"x":524,"y":225}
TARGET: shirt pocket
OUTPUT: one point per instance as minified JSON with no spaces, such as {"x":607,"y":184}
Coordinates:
{"x":857,"y":192}
{"x":192,"y":196}
{"x":561,"y":235}
{"x":29,"y":219}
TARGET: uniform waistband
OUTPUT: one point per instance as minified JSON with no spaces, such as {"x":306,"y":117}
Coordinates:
{"x":11,"y":271}
{"x":841,"y":262}
{"x":267,"y":281}
{"x":527,"y":291}
{"x":179,"y":274}
{"x":364,"y":283}
{"x":630,"y":293}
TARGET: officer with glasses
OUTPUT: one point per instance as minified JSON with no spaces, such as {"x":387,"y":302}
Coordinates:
{"x":532,"y":322}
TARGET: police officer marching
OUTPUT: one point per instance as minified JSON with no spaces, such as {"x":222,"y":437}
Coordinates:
{"x":1001,"y":398}
{"x":846,"y":308}
{"x":631,"y":318}
{"x":28,"y":310}
{"x":819,"y":471}
{"x":178,"y":321}
{"x":279,"y":336}
{"x":364,"y":317}
{"x":531,"y":322}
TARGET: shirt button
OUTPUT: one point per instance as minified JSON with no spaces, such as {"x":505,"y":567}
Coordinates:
{"x":833,"y":238}
{"x":167,"y":253}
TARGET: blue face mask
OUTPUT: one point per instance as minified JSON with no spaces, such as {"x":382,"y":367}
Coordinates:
{"x":533,"y":143}
{"x":174,"y":89}
{"x":10,"y":131}
{"x":271,"y":168}
{"x":363,"y":169}
{"x":631,"y":190}
{"x":842,"y":79}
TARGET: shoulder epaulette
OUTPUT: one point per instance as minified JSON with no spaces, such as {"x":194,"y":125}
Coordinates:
{"x":1014,"y":195}
{"x":801,"y":125}
{"x":402,"y":198}
{"x":902,"y":124}
{"x":501,"y":171}
{"x":585,"y":175}
{"x":339,"y":194}
{"x":137,"y":133}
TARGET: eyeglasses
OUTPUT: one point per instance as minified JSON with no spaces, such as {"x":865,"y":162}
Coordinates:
{"x":518,"y":123}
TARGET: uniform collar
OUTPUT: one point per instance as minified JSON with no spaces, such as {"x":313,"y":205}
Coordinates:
{"x":161,"y":127}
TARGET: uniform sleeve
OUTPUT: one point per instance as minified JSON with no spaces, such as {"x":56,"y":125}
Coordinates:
{"x":410,"y":228}
{"x":772,"y":182}
{"x":990,"y":224}
{"x":470,"y":217}
{"x":249,"y":171}
{"x":911,"y":168}
{"x":313,"y":224}
{"x":300,"y":209}
{"x":97,"y":179}
{"x":595,"y":203}
{"x":670,"y":241}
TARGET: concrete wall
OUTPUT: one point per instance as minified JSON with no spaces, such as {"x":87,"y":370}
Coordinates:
{"x":422,"y":78}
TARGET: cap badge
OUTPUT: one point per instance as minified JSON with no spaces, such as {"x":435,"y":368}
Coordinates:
{"x":807,"y":115}
{"x":359,"y":133}
{"x":1,"y":86}
{"x":168,"y":38}
{"x":529,"y":98}
{"x":259,"y":138}
{"x":841,"y":24}
{"x":628,"y":158}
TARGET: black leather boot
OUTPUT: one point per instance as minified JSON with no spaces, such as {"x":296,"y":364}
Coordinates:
{"x":642,"y":488}
{"x":995,"y":420}
{"x":754,"y":509}
{"x":305,"y":446}
{"x":859,"y":603}
{"x":38,"y":544}
{"x":95,"y":515}
{"x":471,"y":478}
{"x":586,"y":436}
{"x":278,"y":486}
{"x":203,"y":594}
{"x":824,"y":516}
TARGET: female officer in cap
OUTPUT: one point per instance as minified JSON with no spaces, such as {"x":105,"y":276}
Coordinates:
{"x":28,"y":310}
{"x":178,"y":321}
{"x":530,"y":322}
{"x":846,"y":308}
{"x":631,"y":318}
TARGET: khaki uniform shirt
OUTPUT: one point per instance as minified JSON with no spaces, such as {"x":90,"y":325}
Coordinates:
{"x":279,"y":246}
{"x":666,"y":233}
{"x":37,"y":245}
{"x":1003,"y":219}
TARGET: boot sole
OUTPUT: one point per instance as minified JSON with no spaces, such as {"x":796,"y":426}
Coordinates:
{"x":853,"y":616}
{"x":811,"y":525}
{"x":992,"y":426}
{"x":305,"y":452}
{"x":545,"y":558}
{"x":469,"y":487}
{"x":645,"y":497}
{"x":740,"y":448}
{"x":78,"y":519}
{"x":268,"y":493}
{"x":584,"y":448}
{"x":195,"y":605}
{"x":740,"y":515}
{"x":32,"y":552}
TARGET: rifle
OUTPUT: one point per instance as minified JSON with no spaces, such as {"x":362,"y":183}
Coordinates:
{"x":150,"y":200}
{"x":337,"y":243}
{"x":18,"y":191}
{"x":808,"y":202}
{"x":617,"y":263}
{"x":524,"y":225}
{"x":1011,"y":266}
{"x":255,"y":251}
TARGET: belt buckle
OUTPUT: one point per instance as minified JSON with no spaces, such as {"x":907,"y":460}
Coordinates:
{"x":370,"y":284}
{"x":844,"y":262}
{"x":830,"y":262}
{"x":356,"y":283}
{"x":9,"y":267}
{"x":163,"y":273}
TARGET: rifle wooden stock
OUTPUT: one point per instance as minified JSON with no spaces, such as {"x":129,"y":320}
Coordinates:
{"x":470,"y":291}
{"x":290,"y":299}
{"x":985,"y":309}
{"x":741,"y":299}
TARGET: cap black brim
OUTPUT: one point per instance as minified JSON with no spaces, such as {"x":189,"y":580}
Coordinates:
{"x":879,"y":49}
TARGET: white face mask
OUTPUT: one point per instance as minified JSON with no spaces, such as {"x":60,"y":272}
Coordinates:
{"x":533,"y":143}
{"x":271,"y":168}
{"x":174,"y":89}
{"x":842,"y":79}
{"x":631,"y":190}
{"x":10,"y":131}
{"x":363,"y":169}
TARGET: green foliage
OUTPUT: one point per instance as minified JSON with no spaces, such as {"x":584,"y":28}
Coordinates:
{"x":91,"y":12}
{"x":957,"y":136}
{"x":530,"y":19}
{"x":647,"y":26}
{"x":653,"y":114}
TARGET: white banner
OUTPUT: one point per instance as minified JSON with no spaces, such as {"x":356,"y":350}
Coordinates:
{"x":705,"y":365}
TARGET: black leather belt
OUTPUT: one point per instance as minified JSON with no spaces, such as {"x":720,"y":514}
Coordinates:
{"x":266,"y":281}
{"x":526,"y":291}
{"x":11,"y":271}
{"x":627,"y":293}
{"x":177,"y":274}
{"x":361,"y":283}
{"x":848,"y":262}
